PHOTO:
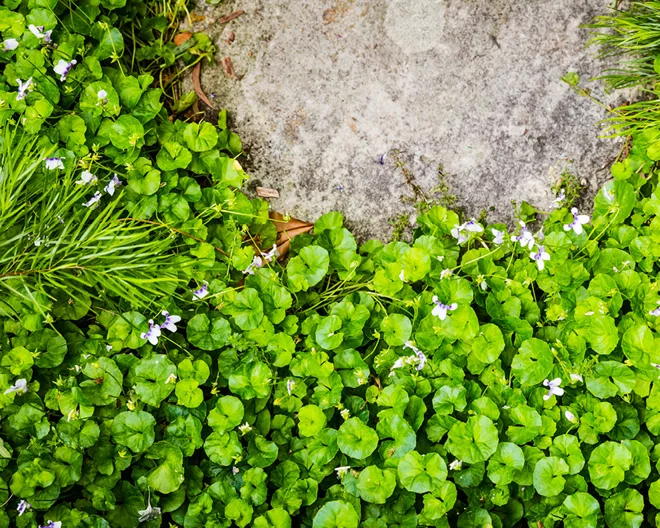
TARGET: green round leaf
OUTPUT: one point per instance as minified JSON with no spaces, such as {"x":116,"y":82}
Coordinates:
{"x":134,"y":429}
{"x":474,"y":441}
{"x":396,"y":328}
{"x":311,"y":420}
{"x":422,"y":473}
{"x":356,"y":440}
{"x":376,"y":485}
{"x":336,"y":514}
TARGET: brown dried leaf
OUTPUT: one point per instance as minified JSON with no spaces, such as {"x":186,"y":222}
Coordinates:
{"x":231,"y":16}
{"x":180,"y":38}
{"x":228,"y":66}
{"x":287,"y":225}
{"x":267,"y":192}
{"x":197,"y":85}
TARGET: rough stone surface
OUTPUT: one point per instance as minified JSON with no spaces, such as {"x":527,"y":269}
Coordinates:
{"x":346,"y":104}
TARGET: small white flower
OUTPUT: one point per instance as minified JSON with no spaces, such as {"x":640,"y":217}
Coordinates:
{"x":461,"y":232}
{"x":112,"y":185}
{"x":9,"y":45}
{"x":526,"y":238}
{"x":38,"y":31}
{"x":498,"y":236}
{"x":290,"y":384}
{"x":149,"y":513}
{"x":446,"y":273}
{"x":153,"y":334}
{"x":102,"y":97}
{"x":341,"y":471}
{"x":62,"y":68}
{"x":52,"y":524}
{"x":256,"y":263}
{"x":576,"y":377}
{"x":554,"y":388}
{"x":20,"y":387}
{"x":540,"y":257}
{"x":577,"y":223}
{"x":402,"y":276}
{"x":456,"y":465}
{"x":570,"y":416}
{"x":440,"y":310}
{"x":656,"y":365}
{"x":23,"y":506}
{"x":108,"y":347}
{"x":93,"y":200}
{"x":235,"y":470}
{"x":245,"y":428}
{"x":560,"y":198}
{"x":345,"y":414}
{"x":170,"y":379}
{"x":170,"y":321}
{"x":201,"y":292}
{"x":655,"y":312}
{"x":418,"y":353}
{"x":87,"y":178}
{"x":270,"y":255}
{"x":54,"y":163}
{"x":24,"y":88}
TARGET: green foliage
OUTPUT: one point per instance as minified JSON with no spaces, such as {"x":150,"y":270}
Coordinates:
{"x":471,"y":377}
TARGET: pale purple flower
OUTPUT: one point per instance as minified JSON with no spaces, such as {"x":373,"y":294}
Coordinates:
{"x":461,"y":232}
{"x":23,"y":506}
{"x":112,"y":185}
{"x":420,"y":355}
{"x":62,"y":68}
{"x":271,"y":254}
{"x":655,"y":312}
{"x":87,"y":178}
{"x":9,"y":44}
{"x":577,"y":223}
{"x":54,"y":163}
{"x":560,"y":198}
{"x":498,"y":236}
{"x":24,"y":88}
{"x":656,"y":365}
{"x":256,"y":263}
{"x":20,"y":387}
{"x":554,"y":388}
{"x":38,"y":31}
{"x":102,"y":96}
{"x":94,"y":199}
{"x":440,"y":310}
{"x":446,"y":273}
{"x":52,"y":524}
{"x":526,"y":238}
{"x":153,"y":334}
{"x":290,"y":384}
{"x":540,"y":257}
{"x":201,"y":292}
{"x":170,"y":321}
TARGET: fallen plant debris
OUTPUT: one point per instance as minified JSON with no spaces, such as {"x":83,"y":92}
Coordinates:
{"x":267,"y":192}
{"x":228,"y":67}
{"x":231,"y":16}
{"x":197,"y":85}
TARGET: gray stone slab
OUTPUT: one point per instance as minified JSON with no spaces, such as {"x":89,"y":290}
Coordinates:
{"x":340,"y":102}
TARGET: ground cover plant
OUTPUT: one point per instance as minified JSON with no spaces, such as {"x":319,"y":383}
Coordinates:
{"x":159,"y":366}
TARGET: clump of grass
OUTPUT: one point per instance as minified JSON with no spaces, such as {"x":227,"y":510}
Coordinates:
{"x":633,"y":36}
{"x":568,"y":185}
